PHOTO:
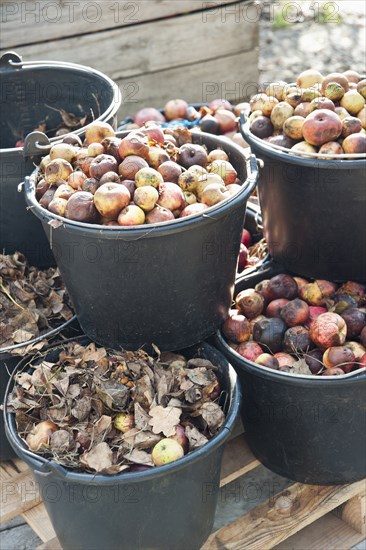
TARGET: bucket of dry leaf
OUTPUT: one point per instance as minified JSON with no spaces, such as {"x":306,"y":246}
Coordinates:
{"x":126,"y":447}
{"x":54,"y":99}
{"x":34,"y":311}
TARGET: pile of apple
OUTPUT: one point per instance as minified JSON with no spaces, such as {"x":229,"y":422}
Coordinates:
{"x":219,"y":117}
{"x":146,"y":177}
{"x":284,"y":320}
{"x":316,"y":114}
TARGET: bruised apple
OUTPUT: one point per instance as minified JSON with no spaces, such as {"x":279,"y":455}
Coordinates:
{"x":110,"y":199}
{"x":97,"y":131}
{"x":39,"y":438}
{"x":166,"y":451}
{"x":80,"y":207}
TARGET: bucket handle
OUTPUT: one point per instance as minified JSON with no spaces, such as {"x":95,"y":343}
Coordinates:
{"x":36,"y":143}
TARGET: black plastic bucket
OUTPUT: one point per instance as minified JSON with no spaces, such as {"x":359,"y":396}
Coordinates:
{"x":314,"y":212}
{"x":170,"y":284}
{"x":310,"y":429}
{"x":26,"y":91}
{"x":8,"y":363}
{"x":169,"y":508}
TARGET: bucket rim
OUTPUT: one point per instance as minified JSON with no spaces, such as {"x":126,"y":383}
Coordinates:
{"x":214,"y":212}
{"x":282,"y":154}
{"x":47,"y":466}
{"x":110,"y":112}
{"x":6,"y":352}
{"x":288,"y":377}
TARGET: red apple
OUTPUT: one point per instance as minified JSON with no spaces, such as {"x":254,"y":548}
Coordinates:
{"x":193,"y":209}
{"x":181,"y":438}
{"x":355,"y":143}
{"x":110,"y":199}
{"x":170,"y":171}
{"x":159,"y":215}
{"x":176,"y":108}
{"x":246,"y":238}
{"x":102,"y":164}
{"x":134,"y":144}
{"x":321,"y":126}
{"x":327,"y":330}
{"x":148,"y":113}
{"x":275,"y":307}
{"x":339,"y":356}
{"x":131,"y":215}
{"x":249,"y":350}
{"x":236,"y":329}
{"x":97,"y":131}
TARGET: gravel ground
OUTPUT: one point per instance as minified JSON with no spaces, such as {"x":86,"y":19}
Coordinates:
{"x":284,"y":52}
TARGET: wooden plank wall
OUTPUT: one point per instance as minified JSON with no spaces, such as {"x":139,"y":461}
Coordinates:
{"x":155,"y":50}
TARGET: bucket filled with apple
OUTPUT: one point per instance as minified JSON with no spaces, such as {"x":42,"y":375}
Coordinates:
{"x":299,"y":348}
{"x":311,"y":136}
{"x":146,"y":229}
{"x":50,"y":99}
{"x":137,"y":438}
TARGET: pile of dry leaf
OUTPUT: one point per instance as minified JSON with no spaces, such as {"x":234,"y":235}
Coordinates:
{"x":83,"y":391}
{"x":32,"y":302}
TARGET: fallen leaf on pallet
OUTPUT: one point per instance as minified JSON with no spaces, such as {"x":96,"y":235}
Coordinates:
{"x":164,"y":420}
{"x":99,"y":458}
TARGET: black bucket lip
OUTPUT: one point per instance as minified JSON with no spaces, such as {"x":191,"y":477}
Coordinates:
{"x":310,"y":162}
{"x":5,"y":353}
{"x":135,"y":477}
{"x":288,"y":377}
{"x":77,"y":68}
{"x":146,"y":230}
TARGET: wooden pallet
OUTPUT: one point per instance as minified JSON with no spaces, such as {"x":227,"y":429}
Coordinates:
{"x":300,"y":517}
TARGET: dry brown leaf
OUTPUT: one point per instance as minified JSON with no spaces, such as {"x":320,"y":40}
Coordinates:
{"x":82,"y":408}
{"x":213,"y":416}
{"x":113,"y":394}
{"x":201,"y":376}
{"x":139,"y":457}
{"x":195,"y":438}
{"x":141,"y":417}
{"x":164,"y":420}
{"x":99,"y":458}
{"x":60,"y":441}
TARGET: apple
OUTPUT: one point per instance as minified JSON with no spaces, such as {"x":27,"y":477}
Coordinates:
{"x":102,"y":164}
{"x":73,"y":139}
{"x":58,"y":169}
{"x":170,"y":171}
{"x":361,"y":87}
{"x":157,"y":156}
{"x":267,"y":360}
{"x":95,"y":149}
{"x":227,"y":121}
{"x":193,"y":209}
{"x":176,"y":108}
{"x":146,"y":197}
{"x":233,"y":189}
{"x":159,"y":215}
{"x":353,"y":102}
{"x":308,"y":78}
{"x":328,"y":330}
{"x":314,"y":312}
{"x":111,"y":147}
{"x":295,"y":312}
{"x":335,"y":77}
{"x":294,"y":99}
{"x":84,"y":164}
{"x":217,"y":104}
{"x":148,"y":176}
{"x":361,"y":115}
{"x":242,"y":258}
{"x":109,"y":177}
{"x":236,"y":328}
{"x":76,"y":179}
{"x":134,"y":144}
{"x":331,"y":148}
{"x":110,"y":199}
{"x":64,"y":191}
{"x":263,"y":102}
{"x":280,"y":113}
{"x":284,"y":359}
{"x":217,"y":154}
{"x":321,"y":126}
{"x":303,"y":109}
{"x":97,"y":131}
{"x":166,"y":451}
{"x":292,"y":127}
{"x":350,"y":125}
{"x":309,"y":94}
{"x":341,"y":112}
{"x":154,"y":133}
{"x":276,"y":89}
{"x":224,"y":169}
{"x":147,"y":114}
{"x":322,"y":103}
{"x":355,"y":143}
{"x":130,"y":166}
{"x":250,"y":303}
{"x":275,"y":307}
{"x":57,"y":206}
{"x":339,"y":356}
{"x":131,"y":215}
{"x":63,"y":151}
{"x":39,"y":437}
{"x":190,"y":154}
{"x":315,"y":293}
{"x":188,"y":181}
{"x":352,"y":76}
{"x":249,"y":350}
{"x":334,"y":91}
{"x":181,"y":438}
{"x":279,"y":286}
{"x":213,"y":194}
{"x":296,"y":340}
{"x":124,"y":422}
{"x":81,"y":208}
{"x":357,"y":349}
{"x":303,"y":147}
{"x":204,"y":181}
{"x":170,"y":196}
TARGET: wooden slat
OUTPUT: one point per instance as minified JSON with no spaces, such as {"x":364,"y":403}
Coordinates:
{"x":40,"y":21}
{"x":11,"y":468}
{"x":277,"y":519}
{"x":238,"y":460}
{"x":353,"y":513}
{"x":325,"y":533}
{"x":193,"y":82}
{"x":157,"y":46}
{"x":37,"y":518}
{"x":18,"y":494}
